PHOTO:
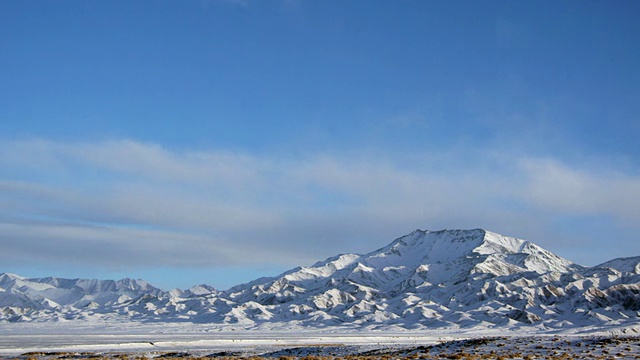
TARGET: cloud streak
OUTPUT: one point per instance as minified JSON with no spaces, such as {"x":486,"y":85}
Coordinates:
{"x":557,"y":187}
{"x":126,"y":204}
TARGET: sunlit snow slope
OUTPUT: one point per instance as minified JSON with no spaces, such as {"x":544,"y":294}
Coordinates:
{"x":427,"y":279}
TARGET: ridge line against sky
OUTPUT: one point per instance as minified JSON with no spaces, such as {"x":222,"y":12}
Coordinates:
{"x":219,"y":141}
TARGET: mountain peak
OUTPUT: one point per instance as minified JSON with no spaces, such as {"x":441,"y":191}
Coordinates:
{"x":458,"y":253}
{"x":11,"y":276}
{"x":479,"y":241}
{"x":426,"y":245}
{"x":626,"y":264}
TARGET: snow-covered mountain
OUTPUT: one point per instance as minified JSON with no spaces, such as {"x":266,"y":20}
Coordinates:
{"x":426,"y":279}
{"x":47,"y":293}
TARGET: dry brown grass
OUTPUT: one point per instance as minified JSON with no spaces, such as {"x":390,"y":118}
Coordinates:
{"x":473,"y":349}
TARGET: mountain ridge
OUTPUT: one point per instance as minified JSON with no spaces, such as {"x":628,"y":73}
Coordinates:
{"x":425,"y":279}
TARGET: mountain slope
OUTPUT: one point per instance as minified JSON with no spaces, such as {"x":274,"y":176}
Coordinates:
{"x":21,"y":295}
{"x":426,"y":279}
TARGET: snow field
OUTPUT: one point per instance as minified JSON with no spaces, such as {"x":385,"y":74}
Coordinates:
{"x":331,"y":346}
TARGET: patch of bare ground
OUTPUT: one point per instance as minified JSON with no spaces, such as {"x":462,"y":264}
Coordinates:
{"x":499,"y":348}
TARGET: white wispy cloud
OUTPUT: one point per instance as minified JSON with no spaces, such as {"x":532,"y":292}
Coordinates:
{"x":126,"y":203}
{"x":560,"y":188}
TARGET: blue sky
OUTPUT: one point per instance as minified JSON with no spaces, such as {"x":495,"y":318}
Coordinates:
{"x":190,"y":142}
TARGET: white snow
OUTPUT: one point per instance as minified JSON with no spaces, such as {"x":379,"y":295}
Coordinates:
{"x":450,"y":280}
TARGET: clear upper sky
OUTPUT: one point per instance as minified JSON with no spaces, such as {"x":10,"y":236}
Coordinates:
{"x":190,"y":142}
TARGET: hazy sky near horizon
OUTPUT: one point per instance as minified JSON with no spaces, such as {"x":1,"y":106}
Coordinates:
{"x":189,"y":142}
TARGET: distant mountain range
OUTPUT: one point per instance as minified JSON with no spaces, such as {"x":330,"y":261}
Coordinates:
{"x":425,"y":280}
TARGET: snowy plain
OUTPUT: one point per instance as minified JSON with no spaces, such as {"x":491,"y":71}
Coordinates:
{"x":153,"y":340}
